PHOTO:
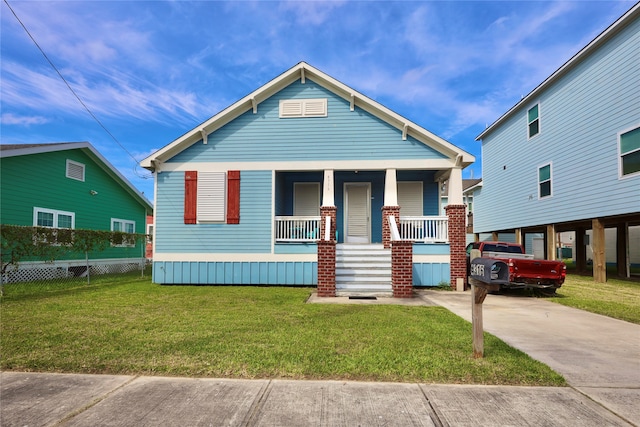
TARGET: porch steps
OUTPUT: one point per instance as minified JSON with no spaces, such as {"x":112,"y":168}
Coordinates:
{"x":363,"y":270}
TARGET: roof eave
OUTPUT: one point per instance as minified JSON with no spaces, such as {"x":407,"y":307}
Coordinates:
{"x":303,"y":71}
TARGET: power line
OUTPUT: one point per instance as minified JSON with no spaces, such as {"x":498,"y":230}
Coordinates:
{"x":75,"y":94}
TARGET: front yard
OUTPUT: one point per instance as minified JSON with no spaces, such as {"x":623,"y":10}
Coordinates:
{"x":127,"y":325}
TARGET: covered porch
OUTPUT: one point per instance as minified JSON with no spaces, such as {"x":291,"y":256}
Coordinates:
{"x":331,"y":212}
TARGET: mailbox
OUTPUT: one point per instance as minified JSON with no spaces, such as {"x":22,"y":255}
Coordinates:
{"x":490,"y":271}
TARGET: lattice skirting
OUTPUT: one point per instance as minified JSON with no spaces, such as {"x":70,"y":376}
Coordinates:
{"x":32,"y":271}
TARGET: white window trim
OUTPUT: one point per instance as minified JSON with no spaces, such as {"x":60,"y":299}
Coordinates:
{"x":620,"y":175}
{"x":304,"y":108}
{"x":55,"y":213}
{"x":550,"y":164}
{"x":150,"y":229}
{"x":539,"y":119}
{"x":123,"y":221}
{"x":71,"y":162}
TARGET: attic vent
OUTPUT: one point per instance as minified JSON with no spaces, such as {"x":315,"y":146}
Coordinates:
{"x":303,"y":108}
{"x":75,"y":170}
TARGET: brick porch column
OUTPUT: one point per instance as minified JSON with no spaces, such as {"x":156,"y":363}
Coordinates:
{"x":402,"y":268}
{"x":457,"y":243}
{"x":388,"y":211}
{"x":327,"y":254}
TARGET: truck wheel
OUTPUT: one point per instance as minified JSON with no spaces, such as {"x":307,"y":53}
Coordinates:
{"x":545,"y":292}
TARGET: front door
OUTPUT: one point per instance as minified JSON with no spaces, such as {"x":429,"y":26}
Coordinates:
{"x":357,"y":224}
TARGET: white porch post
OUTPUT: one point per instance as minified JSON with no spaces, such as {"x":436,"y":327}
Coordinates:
{"x":390,"y":206}
{"x":327,"y":189}
{"x":455,"y":187}
{"x":390,"y":188}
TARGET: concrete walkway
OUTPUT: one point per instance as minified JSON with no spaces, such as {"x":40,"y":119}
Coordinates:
{"x":599,"y":357}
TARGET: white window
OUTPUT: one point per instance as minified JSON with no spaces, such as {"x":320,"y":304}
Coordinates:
{"x":53,"y":218}
{"x":211,"y":204}
{"x":410,"y":198}
{"x":629,"y":149}
{"x":303,"y":108}
{"x":533,"y":120}
{"x":75,"y":170}
{"x":124,"y":226}
{"x":306,"y":199}
{"x":544,"y":181}
{"x":149,"y":233}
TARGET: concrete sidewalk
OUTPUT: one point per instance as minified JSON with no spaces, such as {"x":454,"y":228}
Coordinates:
{"x":597,"y":355}
{"x":35,"y":399}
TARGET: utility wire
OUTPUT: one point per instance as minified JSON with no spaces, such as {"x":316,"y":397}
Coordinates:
{"x":75,"y":94}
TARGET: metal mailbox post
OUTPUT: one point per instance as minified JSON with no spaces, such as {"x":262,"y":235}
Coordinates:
{"x":486,"y":275}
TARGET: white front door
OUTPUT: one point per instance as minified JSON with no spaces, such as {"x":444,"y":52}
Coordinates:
{"x":357,"y":224}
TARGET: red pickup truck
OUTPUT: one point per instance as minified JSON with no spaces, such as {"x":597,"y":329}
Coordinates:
{"x":544,"y":276}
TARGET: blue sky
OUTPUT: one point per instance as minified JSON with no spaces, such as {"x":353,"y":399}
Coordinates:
{"x":150,"y":71}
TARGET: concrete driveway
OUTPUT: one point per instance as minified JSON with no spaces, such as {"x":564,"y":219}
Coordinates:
{"x":597,"y":355}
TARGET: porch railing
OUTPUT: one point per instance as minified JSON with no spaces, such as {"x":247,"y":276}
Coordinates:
{"x":424,"y":229}
{"x":297,"y":228}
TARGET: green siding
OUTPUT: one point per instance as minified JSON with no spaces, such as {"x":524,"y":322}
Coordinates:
{"x":39,"y":180}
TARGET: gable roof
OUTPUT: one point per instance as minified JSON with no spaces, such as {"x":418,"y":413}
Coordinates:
{"x":14,"y":150}
{"x":622,"y":22}
{"x":303,"y":71}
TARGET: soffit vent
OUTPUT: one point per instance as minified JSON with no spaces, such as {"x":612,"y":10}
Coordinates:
{"x":290,"y":108}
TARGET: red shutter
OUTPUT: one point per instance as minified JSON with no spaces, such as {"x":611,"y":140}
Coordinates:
{"x":233,"y":197}
{"x":190,"y":196}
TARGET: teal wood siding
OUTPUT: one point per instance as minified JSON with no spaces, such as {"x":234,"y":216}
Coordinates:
{"x":252,"y":235}
{"x":38,"y":180}
{"x":342,"y":135}
{"x":431,"y":274}
{"x":580,"y":117}
{"x":236,"y":273}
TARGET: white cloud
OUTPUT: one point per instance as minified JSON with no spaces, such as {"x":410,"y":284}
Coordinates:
{"x":13,"y":119}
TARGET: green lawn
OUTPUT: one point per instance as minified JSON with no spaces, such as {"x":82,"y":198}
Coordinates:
{"x":130,"y":326}
{"x":616,"y":298}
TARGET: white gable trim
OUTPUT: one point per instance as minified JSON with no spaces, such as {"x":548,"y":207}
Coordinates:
{"x":303,"y":71}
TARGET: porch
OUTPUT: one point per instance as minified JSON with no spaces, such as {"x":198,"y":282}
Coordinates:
{"x":354,"y":218}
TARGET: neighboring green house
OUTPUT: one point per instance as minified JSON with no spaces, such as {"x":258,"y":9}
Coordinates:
{"x":70,"y":185}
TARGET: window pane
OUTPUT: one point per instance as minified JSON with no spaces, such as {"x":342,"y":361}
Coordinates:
{"x":45,"y":219}
{"x":533,"y":113}
{"x":631,"y":163}
{"x":533,"y":129}
{"x":129,"y":227}
{"x":117,"y":226}
{"x":544,"y":173}
{"x":64,"y":221}
{"x":545,"y":188}
{"x":630,"y":141}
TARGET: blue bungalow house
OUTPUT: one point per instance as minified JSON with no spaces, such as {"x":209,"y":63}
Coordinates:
{"x":566,"y":157}
{"x":306,"y":181}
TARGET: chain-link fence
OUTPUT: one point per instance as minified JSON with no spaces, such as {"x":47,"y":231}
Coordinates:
{"x":44,"y":258}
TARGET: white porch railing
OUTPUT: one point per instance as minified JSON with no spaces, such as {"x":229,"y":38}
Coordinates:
{"x":424,"y":229}
{"x":297,"y":228}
